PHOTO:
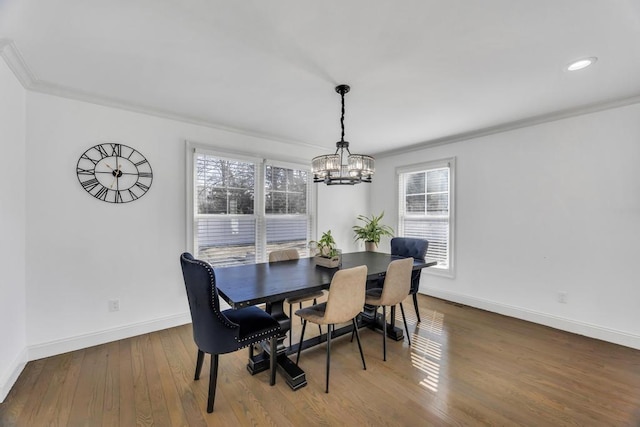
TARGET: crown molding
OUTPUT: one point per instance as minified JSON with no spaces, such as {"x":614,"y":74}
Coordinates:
{"x":518,"y":124}
{"x":78,"y":95}
{"x":29,"y":80}
{"x":14,"y":60}
{"x":12,"y":56}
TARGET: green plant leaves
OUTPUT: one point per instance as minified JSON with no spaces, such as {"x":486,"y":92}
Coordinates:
{"x":372,"y":230}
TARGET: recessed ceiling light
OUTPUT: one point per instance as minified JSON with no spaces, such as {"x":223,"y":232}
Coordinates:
{"x":581,"y":63}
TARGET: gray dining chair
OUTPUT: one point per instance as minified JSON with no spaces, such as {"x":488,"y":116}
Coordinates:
{"x":287,"y":255}
{"x":344,"y":303}
{"x":395,"y":289}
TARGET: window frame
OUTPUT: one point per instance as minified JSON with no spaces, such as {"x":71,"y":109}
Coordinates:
{"x":259,"y":214}
{"x":400,"y":181}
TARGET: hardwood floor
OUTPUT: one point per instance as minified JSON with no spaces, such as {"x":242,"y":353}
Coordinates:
{"x":465,"y":367}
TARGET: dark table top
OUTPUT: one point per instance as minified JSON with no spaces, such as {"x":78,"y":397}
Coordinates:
{"x":252,"y":284}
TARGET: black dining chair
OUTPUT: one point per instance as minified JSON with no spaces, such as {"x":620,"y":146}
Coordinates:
{"x":217,"y":332}
{"x":414,"y":248}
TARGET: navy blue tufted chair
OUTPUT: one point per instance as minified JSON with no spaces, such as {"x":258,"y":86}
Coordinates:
{"x":415,"y":248}
{"x":216,"y":332}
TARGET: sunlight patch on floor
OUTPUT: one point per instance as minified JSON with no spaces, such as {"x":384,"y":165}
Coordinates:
{"x":425,"y":352}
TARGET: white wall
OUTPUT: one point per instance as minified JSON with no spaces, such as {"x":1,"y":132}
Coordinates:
{"x":338,"y":207}
{"x":540,"y":210}
{"x":83,"y":252}
{"x":13,"y":353}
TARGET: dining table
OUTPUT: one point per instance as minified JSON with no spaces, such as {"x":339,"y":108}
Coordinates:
{"x":271,"y":283}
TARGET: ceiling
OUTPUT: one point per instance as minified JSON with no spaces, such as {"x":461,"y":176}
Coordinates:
{"x":420,"y":71}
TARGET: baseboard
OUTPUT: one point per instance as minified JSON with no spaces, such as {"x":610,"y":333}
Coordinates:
{"x":13,"y":372}
{"x":52,"y":348}
{"x":580,"y":328}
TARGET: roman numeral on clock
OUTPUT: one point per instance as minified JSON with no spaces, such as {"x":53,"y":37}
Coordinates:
{"x":90,"y":184}
{"x":102,"y":194}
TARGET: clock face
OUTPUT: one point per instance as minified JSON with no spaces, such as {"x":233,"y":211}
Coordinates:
{"x":114,"y":173}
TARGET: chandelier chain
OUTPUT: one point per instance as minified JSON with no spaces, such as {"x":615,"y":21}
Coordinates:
{"x":342,"y":118}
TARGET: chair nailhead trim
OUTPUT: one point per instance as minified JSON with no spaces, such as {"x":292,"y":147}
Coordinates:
{"x":265,"y":333}
{"x":223,"y":319}
{"x":214,"y":292}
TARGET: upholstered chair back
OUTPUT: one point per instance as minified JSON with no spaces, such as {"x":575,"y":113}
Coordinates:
{"x":283,"y":255}
{"x":346,"y":295}
{"x":397,"y":282}
{"x":213,"y":332}
{"x":414,"y":248}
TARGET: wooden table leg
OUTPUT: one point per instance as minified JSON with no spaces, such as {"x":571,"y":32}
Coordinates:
{"x":293,"y":374}
{"x":371,"y":318}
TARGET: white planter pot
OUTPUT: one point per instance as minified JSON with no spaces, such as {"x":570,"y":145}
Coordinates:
{"x":370,"y":246}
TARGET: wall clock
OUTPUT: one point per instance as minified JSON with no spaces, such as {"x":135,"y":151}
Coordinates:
{"x":114,"y":173}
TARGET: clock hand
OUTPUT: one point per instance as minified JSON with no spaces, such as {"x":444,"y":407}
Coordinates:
{"x":118,"y":174}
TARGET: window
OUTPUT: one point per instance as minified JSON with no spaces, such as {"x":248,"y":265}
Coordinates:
{"x":225,"y":224}
{"x":288,"y":224}
{"x":243,"y":208}
{"x":426,"y":209}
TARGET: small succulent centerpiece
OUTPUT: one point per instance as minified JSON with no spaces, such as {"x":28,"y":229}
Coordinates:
{"x":371,"y":231}
{"x":327,"y":255}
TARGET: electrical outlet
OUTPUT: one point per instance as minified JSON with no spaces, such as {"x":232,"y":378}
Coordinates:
{"x":114,"y":305}
{"x":563,"y":297}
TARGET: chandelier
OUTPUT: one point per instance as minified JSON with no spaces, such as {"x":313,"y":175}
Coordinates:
{"x":342,"y":168}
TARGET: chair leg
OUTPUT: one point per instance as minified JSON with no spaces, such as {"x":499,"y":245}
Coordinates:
{"x":355,"y":328}
{"x":384,"y":332}
{"x":319,"y":327}
{"x":300,"y":303}
{"x":404,"y":319}
{"x":304,"y":325}
{"x":328,"y":355}
{"x":272,"y":361}
{"x":199,"y":365}
{"x":213,"y":379}
{"x":290,"y":324}
{"x":355,"y":322}
{"x":415,"y":305}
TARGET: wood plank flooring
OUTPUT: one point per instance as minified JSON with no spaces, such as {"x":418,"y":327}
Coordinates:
{"x":465,"y":367}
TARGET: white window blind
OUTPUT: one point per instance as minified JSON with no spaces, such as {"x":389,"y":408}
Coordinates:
{"x":244,"y":208}
{"x":225,"y":224}
{"x":286,"y":208}
{"x":425,"y":208}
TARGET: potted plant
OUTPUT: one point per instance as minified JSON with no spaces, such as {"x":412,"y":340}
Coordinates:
{"x":327,"y":254}
{"x":372,"y":230}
